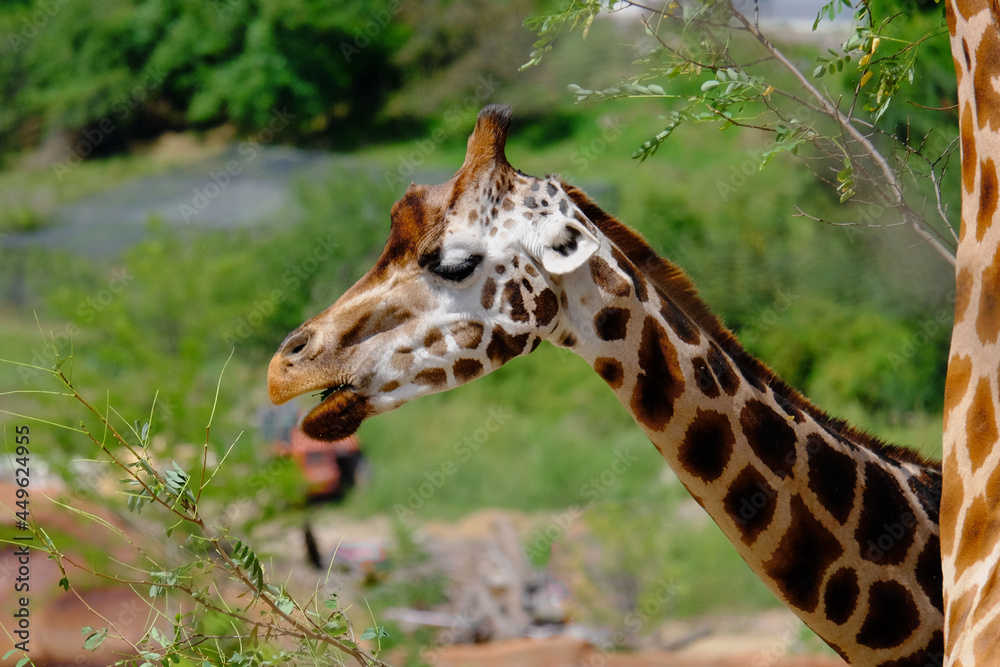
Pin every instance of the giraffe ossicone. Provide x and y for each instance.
(479, 270)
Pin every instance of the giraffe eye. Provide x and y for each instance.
(456, 272)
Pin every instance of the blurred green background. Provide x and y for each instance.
(109, 105)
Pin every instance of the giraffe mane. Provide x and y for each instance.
(671, 281)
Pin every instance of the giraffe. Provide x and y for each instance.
(970, 522)
(481, 269)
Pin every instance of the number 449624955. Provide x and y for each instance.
(22, 470)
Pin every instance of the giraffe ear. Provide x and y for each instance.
(563, 245)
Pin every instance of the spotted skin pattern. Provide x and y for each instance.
(970, 519)
(481, 269)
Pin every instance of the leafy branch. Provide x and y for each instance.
(271, 614)
(747, 86)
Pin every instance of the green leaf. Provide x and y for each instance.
(285, 605)
(23, 661)
(64, 583)
(709, 85)
(161, 638)
(374, 633)
(95, 640)
(9, 653)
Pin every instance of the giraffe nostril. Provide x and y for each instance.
(297, 343)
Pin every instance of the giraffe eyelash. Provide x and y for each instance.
(451, 272)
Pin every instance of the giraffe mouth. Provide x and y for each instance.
(338, 415)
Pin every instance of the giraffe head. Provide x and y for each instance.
(470, 278)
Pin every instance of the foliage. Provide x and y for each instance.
(267, 627)
(125, 69)
(745, 80)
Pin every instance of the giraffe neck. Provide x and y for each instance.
(841, 528)
(969, 537)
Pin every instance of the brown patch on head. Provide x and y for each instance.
(770, 437)
(514, 300)
(432, 377)
(987, 197)
(356, 332)
(436, 343)
(504, 346)
(750, 503)
(546, 307)
(417, 224)
(802, 557)
(610, 370)
(489, 293)
(660, 381)
(467, 369)
(707, 445)
(402, 359)
(988, 315)
(609, 280)
(468, 335)
(612, 323)
(392, 385)
(832, 477)
(980, 424)
(987, 96)
(840, 598)
(892, 616)
(969, 161)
